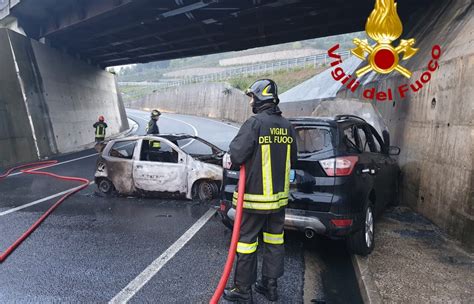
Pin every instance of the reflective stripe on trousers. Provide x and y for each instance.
(246, 248)
(274, 239)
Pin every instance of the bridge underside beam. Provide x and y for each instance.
(114, 32)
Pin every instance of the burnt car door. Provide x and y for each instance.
(119, 164)
(160, 167)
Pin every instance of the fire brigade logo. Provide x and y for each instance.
(384, 26)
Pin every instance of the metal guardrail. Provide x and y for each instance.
(254, 69)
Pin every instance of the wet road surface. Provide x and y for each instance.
(92, 247)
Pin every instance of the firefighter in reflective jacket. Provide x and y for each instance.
(100, 127)
(152, 127)
(266, 145)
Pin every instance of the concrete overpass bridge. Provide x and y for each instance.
(53, 85)
(116, 32)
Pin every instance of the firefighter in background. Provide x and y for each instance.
(266, 144)
(152, 127)
(100, 127)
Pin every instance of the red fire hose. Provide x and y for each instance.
(33, 169)
(235, 238)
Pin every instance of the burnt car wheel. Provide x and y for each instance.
(105, 186)
(207, 190)
(363, 241)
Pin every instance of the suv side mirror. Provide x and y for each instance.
(393, 150)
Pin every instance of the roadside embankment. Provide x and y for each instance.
(214, 100)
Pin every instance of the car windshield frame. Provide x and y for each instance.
(215, 150)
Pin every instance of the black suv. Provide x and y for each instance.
(344, 177)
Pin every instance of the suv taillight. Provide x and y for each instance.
(339, 166)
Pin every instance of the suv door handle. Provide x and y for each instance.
(139, 167)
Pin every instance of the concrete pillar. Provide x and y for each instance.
(55, 97)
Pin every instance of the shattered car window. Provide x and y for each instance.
(313, 140)
(351, 140)
(364, 142)
(377, 144)
(123, 149)
(195, 147)
(158, 151)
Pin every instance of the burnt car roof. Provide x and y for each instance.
(325, 121)
(170, 137)
(174, 137)
(302, 121)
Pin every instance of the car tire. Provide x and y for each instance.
(106, 186)
(362, 242)
(207, 190)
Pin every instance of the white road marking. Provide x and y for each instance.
(146, 275)
(39, 201)
(186, 123)
(193, 127)
(58, 164)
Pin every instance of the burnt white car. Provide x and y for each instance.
(176, 165)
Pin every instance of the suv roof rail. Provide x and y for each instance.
(346, 116)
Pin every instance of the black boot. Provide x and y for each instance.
(239, 294)
(268, 287)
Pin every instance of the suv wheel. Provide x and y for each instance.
(363, 241)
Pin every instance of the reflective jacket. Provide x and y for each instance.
(266, 144)
(152, 127)
(100, 129)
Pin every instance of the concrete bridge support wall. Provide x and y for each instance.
(215, 100)
(51, 100)
(16, 138)
(435, 127)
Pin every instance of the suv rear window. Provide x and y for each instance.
(313, 139)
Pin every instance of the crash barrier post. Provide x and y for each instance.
(33, 169)
(235, 238)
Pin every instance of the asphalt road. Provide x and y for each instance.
(94, 249)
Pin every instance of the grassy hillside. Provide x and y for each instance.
(284, 79)
(153, 71)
